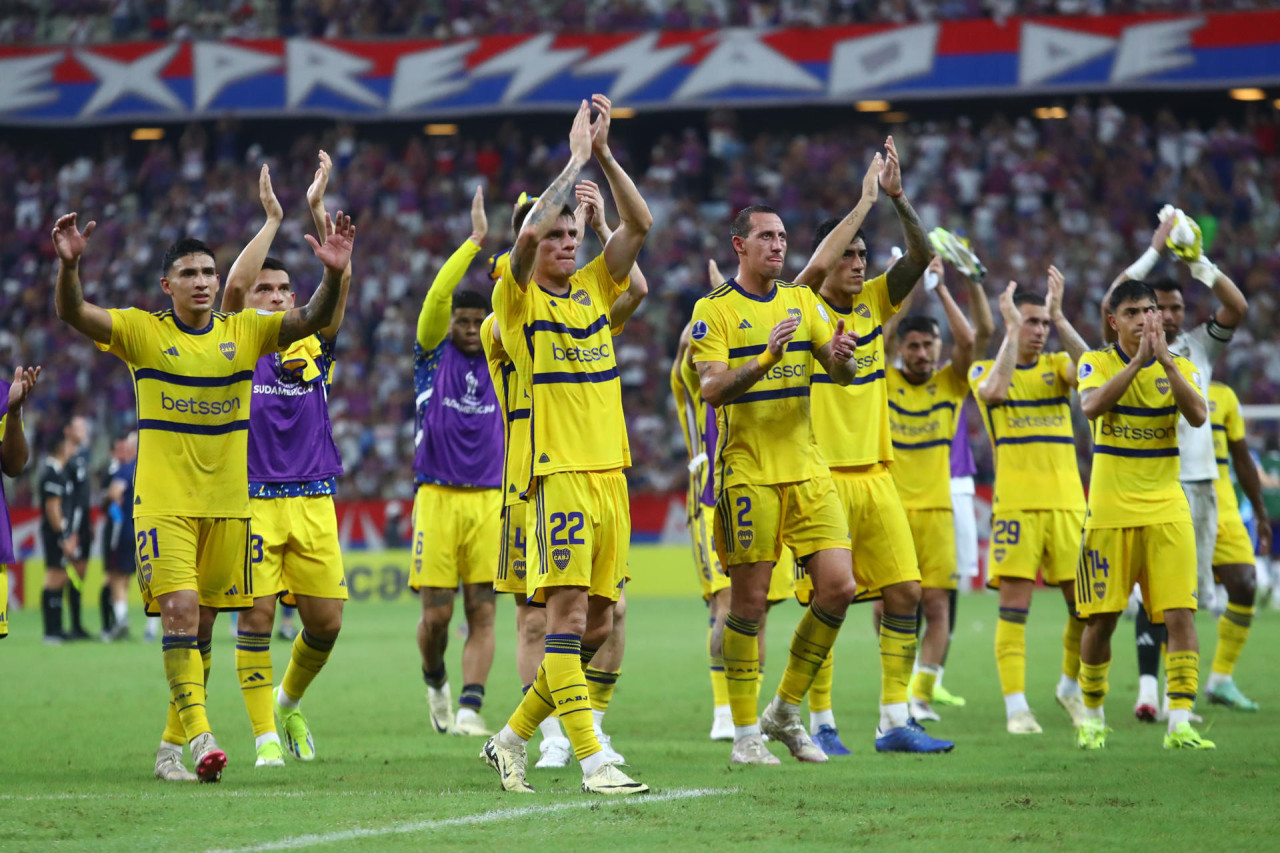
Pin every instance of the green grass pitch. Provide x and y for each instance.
(81, 723)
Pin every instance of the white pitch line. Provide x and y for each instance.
(186, 793)
(312, 840)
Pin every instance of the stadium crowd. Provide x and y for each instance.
(1080, 193)
(96, 21)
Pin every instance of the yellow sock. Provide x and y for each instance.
(305, 662)
(820, 692)
(1093, 683)
(1233, 633)
(186, 686)
(600, 684)
(1011, 650)
(923, 683)
(719, 687)
(897, 655)
(253, 668)
(568, 684)
(206, 659)
(1071, 634)
(535, 707)
(742, 669)
(810, 645)
(1182, 674)
(173, 732)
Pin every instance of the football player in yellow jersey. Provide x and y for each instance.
(193, 370)
(14, 454)
(1038, 511)
(753, 341)
(1138, 528)
(924, 410)
(859, 450)
(554, 322)
(1233, 562)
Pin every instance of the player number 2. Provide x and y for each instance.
(143, 556)
(574, 521)
(744, 507)
(1006, 532)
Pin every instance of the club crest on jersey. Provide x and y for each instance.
(698, 331)
(1048, 378)
(862, 310)
(1162, 385)
(560, 556)
(1100, 589)
(997, 554)
(932, 389)
(794, 312)
(146, 573)
(518, 567)
(1213, 405)
(1085, 371)
(228, 349)
(745, 538)
(581, 297)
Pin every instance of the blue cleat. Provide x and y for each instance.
(828, 738)
(910, 738)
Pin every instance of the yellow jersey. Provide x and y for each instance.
(1228, 426)
(563, 347)
(1031, 436)
(1135, 445)
(193, 388)
(514, 400)
(765, 435)
(923, 420)
(851, 422)
(698, 426)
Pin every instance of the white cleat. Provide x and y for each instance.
(1023, 723)
(169, 767)
(922, 710)
(555, 752)
(751, 750)
(611, 755)
(722, 726)
(791, 733)
(468, 722)
(509, 762)
(1073, 704)
(208, 757)
(440, 706)
(608, 779)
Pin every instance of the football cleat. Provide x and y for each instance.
(1229, 695)
(611, 755)
(440, 707)
(270, 754)
(751, 750)
(1091, 733)
(922, 710)
(1146, 711)
(945, 699)
(556, 752)
(209, 759)
(297, 736)
(790, 732)
(910, 738)
(169, 767)
(1073, 704)
(509, 762)
(1185, 737)
(608, 779)
(828, 740)
(468, 722)
(722, 726)
(1023, 723)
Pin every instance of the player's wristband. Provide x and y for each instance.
(1139, 269)
(1204, 270)
(767, 359)
(930, 280)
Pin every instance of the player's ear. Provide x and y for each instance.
(737, 245)
(164, 286)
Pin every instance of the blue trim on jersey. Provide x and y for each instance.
(870, 336)
(756, 349)
(1223, 461)
(1036, 439)
(1126, 359)
(1033, 364)
(193, 429)
(1144, 453)
(518, 415)
(772, 293)
(939, 442)
(776, 394)
(1047, 401)
(309, 489)
(825, 379)
(1222, 427)
(193, 381)
(1145, 411)
(922, 412)
(601, 322)
(567, 376)
(183, 327)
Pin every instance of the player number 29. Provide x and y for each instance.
(1006, 532)
(573, 521)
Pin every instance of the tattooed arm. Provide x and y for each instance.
(903, 275)
(335, 254)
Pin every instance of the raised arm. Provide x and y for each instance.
(906, 272)
(542, 217)
(623, 247)
(244, 272)
(1096, 402)
(433, 319)
(315, 201)
(335, 254)
(1233, 308)
(994, 390)
(1136, 271)
(961, 333)
(1071, 340)
(14, 452)
(85, 317)
(984, 325)
(835, 244)
(590, 210)
(1251, 485)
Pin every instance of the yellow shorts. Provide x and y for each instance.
(294, 548)
(510, 576)
(455, 536)
(934, 534)
(581, 525)
(1233, 547)
(884, 552)
(1160, 558)
(753, 523)
(711, 574)
(1024, 542)
(208, 555)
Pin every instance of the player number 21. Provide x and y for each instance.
(143, 556)
(573, 521)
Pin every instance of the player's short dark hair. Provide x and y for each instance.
(741, 225)
(521, 213)
(470, 299)
(182, 248)
(1165, 285)
(1026, 297)
(270, 263)
(1130, 291)
(829, 225)
(922, 323)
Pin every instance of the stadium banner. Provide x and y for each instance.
(414, 79)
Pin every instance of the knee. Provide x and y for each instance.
(327, 626)
(480, 613)
(902, 597)
(751, 607)
(838, 595)
(533, 626)
(260, 618)
(595, 636)
(1102, 625)
(1244, 590)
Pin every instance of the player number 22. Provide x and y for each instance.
(574, 521)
